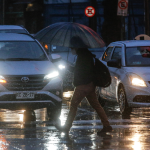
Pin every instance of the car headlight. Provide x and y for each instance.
(51, 75)
(61, 67)
(2, 79)
(136, 80)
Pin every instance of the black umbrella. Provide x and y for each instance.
(70, 34)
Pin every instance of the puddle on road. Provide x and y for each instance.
(130, 132)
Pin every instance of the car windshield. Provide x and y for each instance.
(138, 56)
(13, 31)
(21, 50)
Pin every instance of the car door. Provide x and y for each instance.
(106, 56)
(115, 73)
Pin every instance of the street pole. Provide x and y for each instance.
(3, 12)
(93, 20)
(146, 5)
(70, 12)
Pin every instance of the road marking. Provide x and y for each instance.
(82, 121)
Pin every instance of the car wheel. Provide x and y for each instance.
(97, 91)
(29, 115)
(53, 114)
(123, 104)
(61, 95)
(100, 99)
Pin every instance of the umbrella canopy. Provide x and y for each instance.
(70, 34)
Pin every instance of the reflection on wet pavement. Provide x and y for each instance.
(130, 132)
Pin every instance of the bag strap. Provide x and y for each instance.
(94, 60)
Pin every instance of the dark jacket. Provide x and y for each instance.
(83, 70)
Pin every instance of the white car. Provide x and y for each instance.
(28, 78)
(13, 29)
(129, 66)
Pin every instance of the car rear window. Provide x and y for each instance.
(13, 31)
(138, 56)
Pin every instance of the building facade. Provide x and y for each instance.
(37, 14)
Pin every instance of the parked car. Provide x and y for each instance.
(129, 66)
(13, 29)
(28, 78)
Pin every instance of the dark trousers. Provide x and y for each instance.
(87, 91)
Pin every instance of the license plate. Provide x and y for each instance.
(27, 95)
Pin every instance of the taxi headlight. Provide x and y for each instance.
(51, 75)
(136, 80)
(61, 67)
(2, 79)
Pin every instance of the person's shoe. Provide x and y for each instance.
(104, 130)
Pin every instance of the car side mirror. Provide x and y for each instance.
(114, 63)
(55, 57)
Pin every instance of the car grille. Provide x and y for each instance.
(14, 83)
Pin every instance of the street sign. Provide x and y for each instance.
(122, 8)
(89, 11)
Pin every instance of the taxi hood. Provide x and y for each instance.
(143, 72)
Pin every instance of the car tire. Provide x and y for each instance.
(29, 115)
(53, 114)
(100, 99)
(123, 104)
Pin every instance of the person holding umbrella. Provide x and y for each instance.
(79, 38)
(84, 86)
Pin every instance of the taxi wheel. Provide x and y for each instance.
(123, 104)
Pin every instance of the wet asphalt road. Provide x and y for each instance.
(129, 132)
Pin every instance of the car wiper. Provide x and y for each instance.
(23, 59)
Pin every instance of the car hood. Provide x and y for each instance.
(25, 67)
(143, 72)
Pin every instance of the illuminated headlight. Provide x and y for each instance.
(2, 79)
(51, 75)
(61, 67)
(136, 80)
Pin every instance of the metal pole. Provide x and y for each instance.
(146, 3)
(93, 20)
(3, 12)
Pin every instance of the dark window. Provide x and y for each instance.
(107, 54)
(116, 53)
